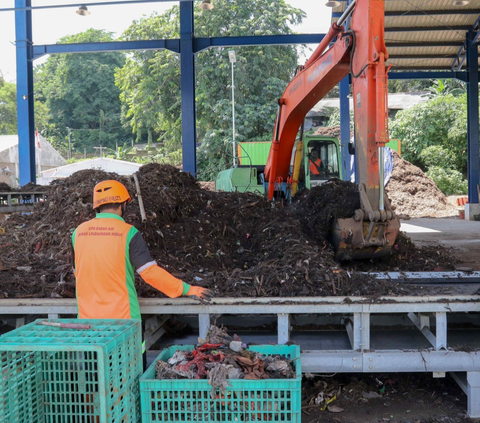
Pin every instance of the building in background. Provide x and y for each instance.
(46, 157)
(320, 114)
(107, 165)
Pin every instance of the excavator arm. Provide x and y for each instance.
(361, 51)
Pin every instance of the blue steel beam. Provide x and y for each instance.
(98, 3)
(460, 58)
(187, 63)
(345, 127)
(41, 50)
(174, 44)
(258, 40)
(462, 76)
(25, 112)
(473, 152)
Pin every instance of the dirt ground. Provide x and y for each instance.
(457, 235)
(383, 398)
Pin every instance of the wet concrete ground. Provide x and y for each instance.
(462, 236)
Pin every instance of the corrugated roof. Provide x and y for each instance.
(397, 101)
(422, 34)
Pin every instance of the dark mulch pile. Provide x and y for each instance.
(241, 245)
(4, 187)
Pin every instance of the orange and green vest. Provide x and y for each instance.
(107, 253)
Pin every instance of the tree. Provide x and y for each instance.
(150, 81)
(8, 108)
(447, 87)
(434, 137)
(80, 93)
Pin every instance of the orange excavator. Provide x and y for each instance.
(360, 51)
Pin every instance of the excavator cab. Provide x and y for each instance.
(321, 161)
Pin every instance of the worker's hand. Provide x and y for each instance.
(199, 293)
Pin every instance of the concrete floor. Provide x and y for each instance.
(462, 236)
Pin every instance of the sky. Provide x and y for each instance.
(51, 24)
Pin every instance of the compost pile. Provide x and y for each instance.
(414, 194)
(219, 358)
(411, 192)
(4, 187)
(238, 244)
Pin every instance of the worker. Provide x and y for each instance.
(106, 253)
(315, 162)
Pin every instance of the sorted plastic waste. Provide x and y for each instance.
(213, 359)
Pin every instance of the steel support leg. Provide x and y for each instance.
(19, 322)
(473, 151)
(473, 393)
(441, 330)
(203, 325)
(361, 331)
(187, 63)
(154, 329)
(25, 112)
(347, 169)
(283, 328)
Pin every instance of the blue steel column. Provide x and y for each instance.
(473, 118)
(25, 112)
(187, 60)
(345, 128)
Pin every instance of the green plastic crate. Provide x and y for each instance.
(50, 374)
(273, 400)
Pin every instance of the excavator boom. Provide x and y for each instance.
(360, 51)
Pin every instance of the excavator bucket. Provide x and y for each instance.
(355, 238)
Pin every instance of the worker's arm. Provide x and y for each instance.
(72, 250)
(157, 277)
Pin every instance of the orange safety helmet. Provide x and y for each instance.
(109, 192)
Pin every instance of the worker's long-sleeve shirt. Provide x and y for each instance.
(107, 253)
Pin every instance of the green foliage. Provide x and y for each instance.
(217, 145)
(150, 81)
(8, 108)
(447, 87)
(408, 85)
(334, 119)
(449, 181)
(439, 121)
(121, 153)
(434, 137)
(79, 92)
(163, 156)
(437, 155)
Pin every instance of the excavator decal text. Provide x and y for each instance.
(320, 68)
(295, 86)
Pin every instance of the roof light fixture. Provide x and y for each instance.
(206, 5)
(82, 11)
(332, 3)
(461, 2)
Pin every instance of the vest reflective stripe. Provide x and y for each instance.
(104, 275)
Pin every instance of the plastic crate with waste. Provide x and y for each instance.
(174, 400)
(52, 374)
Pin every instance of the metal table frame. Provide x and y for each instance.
(438, 359)
(11, 202)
